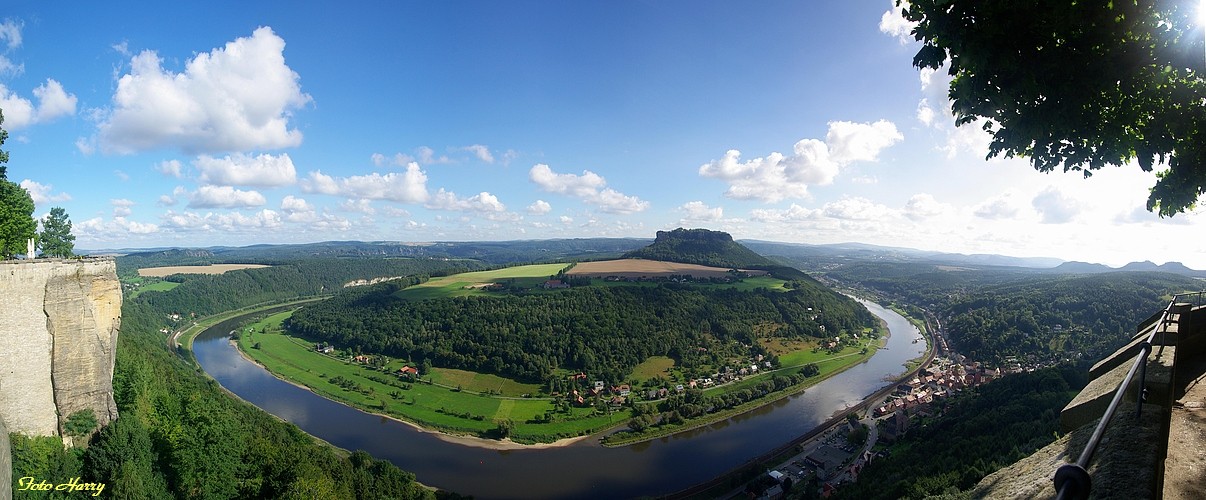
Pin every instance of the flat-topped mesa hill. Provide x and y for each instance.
(703, 247)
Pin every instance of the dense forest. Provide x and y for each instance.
(981, 431)
(605, 331)
(180, 436)
(206, 294)
(992, 315)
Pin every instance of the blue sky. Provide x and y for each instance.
(235, 123)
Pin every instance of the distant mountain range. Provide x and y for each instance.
(684, 245)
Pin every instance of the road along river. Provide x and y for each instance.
(580, 470)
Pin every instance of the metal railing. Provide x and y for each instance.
(1072, 481)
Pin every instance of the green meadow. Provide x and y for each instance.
(460, 285)
(152, 286)
(448, 400)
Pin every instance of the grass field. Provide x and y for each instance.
(432, 405)
(481, 382)
(459, 285)
(158, 286)
(160, 272)
(652, 367)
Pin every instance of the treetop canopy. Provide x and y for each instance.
(1078, 85)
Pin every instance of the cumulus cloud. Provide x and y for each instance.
(794, 213)
(857, 208)
(404, 187)
(41, 193)
(698, 211)
(10, 34)
(121, 207)
(98, 228)
(362, 206)
(893, 23)
(1003, 206)
(925, 114)
(482, 202)
(225, 197)
(589, 187)
(812, 163)
(234, 98)
(540, 207)
(481, 152)
(20, 112)
(242, 170)
(226, 222)
(924, 206)
(170, 168)
(1054, 207)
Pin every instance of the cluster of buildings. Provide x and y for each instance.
(916, 394)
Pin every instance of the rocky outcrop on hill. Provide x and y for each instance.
(58, 339)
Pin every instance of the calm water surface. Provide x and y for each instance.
(582, 470)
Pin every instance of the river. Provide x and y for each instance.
(581, 470)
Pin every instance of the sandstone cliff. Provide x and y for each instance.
(58, 338)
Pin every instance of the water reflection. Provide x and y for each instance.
(581, 470)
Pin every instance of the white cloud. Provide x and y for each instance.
(225, 197)
(893, 23)
(850, 142)
(482, 202)
(566, 219)
(406, 187)
(481, 152)
(233, 222)
(10, 34)
(41, 192)
(865, 179)
(1003, 206)
(85, 146)
(813, 163)
(242, 170)
(170, 168)
(121, 207)
(540, 207)
(294, 204)
(925, 114)
(427, 156)
(98, 229)
(363, 206)
(234, 98)
(698, 211)
(923, 206)
(53, 102)
(589, 187)
(1054, 207)
(857, 208)
(794, 213)
(395, 212)
(166, 201)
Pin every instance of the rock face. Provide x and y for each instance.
(6, 463)
(58, 340)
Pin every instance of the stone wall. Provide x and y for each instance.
(58, 339)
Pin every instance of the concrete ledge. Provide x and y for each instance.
(1126, 354)
(1094, 399)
